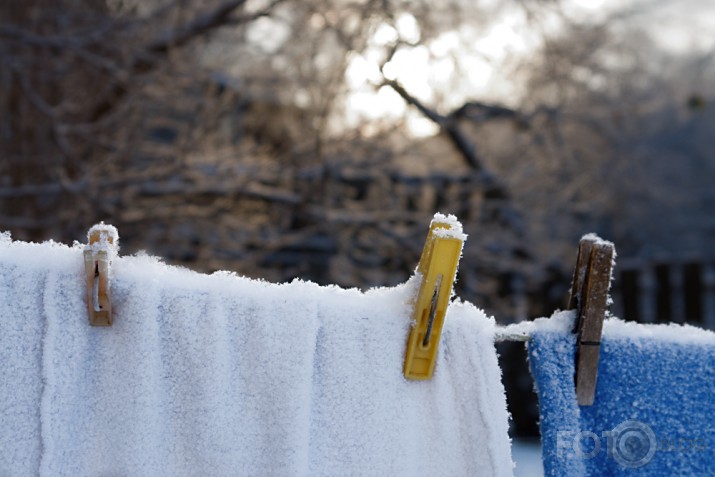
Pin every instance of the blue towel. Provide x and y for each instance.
(654, 409)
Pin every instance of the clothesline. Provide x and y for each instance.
(504, 334)
(523, 331)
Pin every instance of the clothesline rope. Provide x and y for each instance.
(504, 334)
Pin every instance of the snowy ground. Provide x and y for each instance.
(527, 456)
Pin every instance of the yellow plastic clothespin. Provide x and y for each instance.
(101, 248)
(438, 268)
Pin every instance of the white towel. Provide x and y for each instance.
(21, 333)
(222, 375)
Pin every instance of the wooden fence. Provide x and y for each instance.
(661, 292)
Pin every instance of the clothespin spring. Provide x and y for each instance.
(433, 310)
(95, 289)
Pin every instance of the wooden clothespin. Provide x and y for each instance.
(589, 296)
(98, 253)
(438, 268)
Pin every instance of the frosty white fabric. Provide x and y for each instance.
(222, 375)
(21, 331)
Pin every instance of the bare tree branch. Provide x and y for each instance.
(196, 28)
(146, 59)
(448, 125)
(253, 190)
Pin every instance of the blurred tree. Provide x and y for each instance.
(223, 134)
(79, 83)
(206, 132)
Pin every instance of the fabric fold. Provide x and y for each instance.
(23, 273)
(367, 417)
(198, 375)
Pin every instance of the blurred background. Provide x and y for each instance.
(316, 139)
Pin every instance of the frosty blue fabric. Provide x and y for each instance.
(654, 410)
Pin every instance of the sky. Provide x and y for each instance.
(443, 64)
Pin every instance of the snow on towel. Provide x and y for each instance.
(222, 375)
(653, 410)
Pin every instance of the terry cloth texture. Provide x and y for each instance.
(221, 375)
(653, 410)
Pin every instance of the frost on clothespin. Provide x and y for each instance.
(448, 227)
(102, 246)
(102, 236)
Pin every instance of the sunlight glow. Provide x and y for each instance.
(361, 71)
(385, 100)
(468, 62)
(464, 62)
(411, 68)
(408, 28)
(267, 34)
(501, 40)
(384, 35)
(588, 4)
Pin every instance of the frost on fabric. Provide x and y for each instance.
(562, 322)
(225, 281)
(667, 333)
(460, 310)
(29, 255)
(56, 256)
(616, 328)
